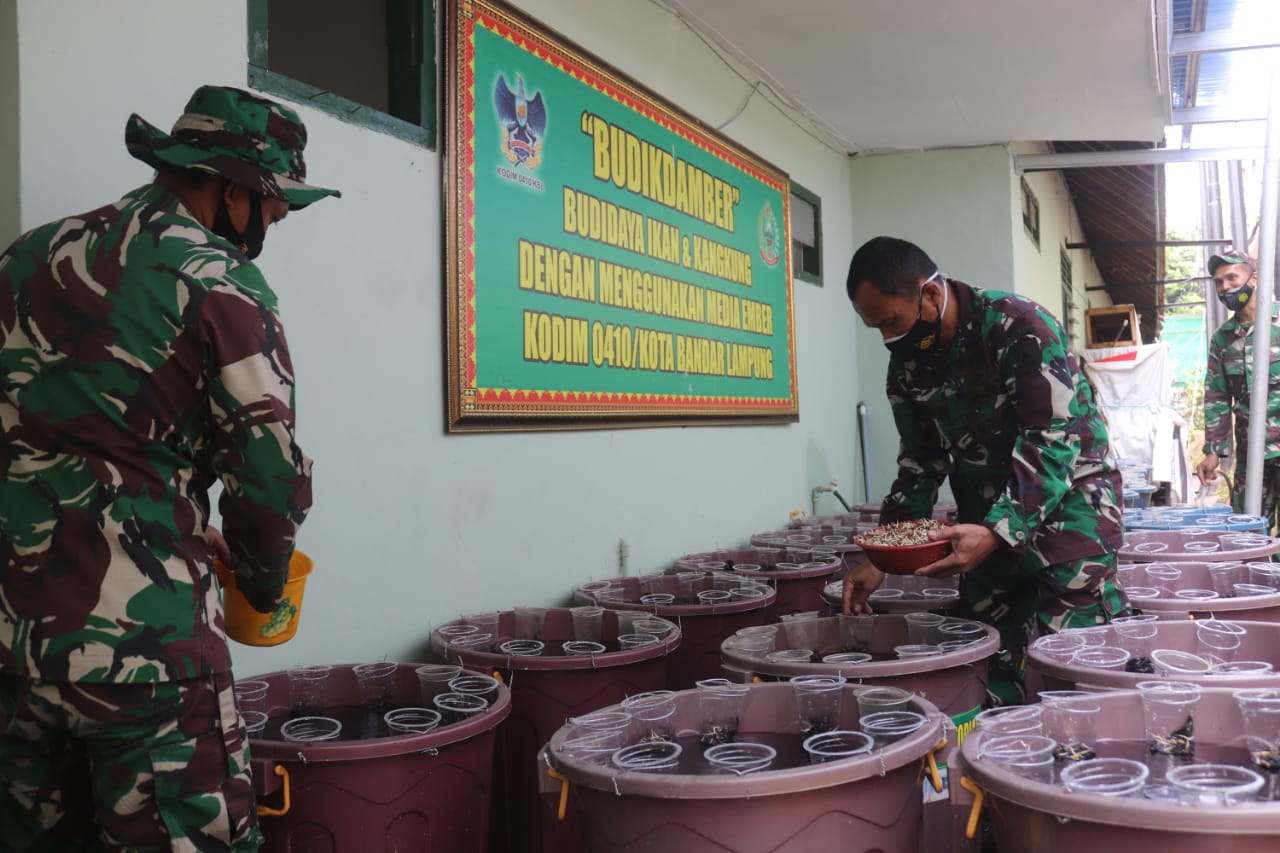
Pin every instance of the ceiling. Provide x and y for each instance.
(908, 74)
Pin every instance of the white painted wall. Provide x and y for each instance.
(412, 526)
(1037, 269)
(10, 212)
(954, 204)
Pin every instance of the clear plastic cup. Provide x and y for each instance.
(757, 646)
(478, 642)
(886, 727)
(375, 682)
(1260, 713)
(311, 729)
(576, 648)
(658, 599)
(748, 593)
(251, 695)
(652, 713)
(659, 628)
(647, 756)
(1073, 724)
(627, 620)
(455, 630)
(917, 650)
(636, 641)
(1106, 777)
(801, 629)
(720, 704)
(1135, 634)
(1101, 657)
(940, 594)
(434, 678)
(1011, 720)
(528, 622)
(1030, 756)
(836, 745)
(1174, 662)
(1219, 639)
(1196, 595)
(457, 707)
(1164, 578)
(484, 686)
(922, 628)
(485, 623)
(1224, 577)
(1168, 709)
(790, 656)
(522, 648)
(740, 758)
(411, 721)
(873, 700)
(1241, 667)
(1214, 784)
(818, 702)
(1264, 574)
(307, 687)
(714, 596)
(1242, 590)
(855, 632)
(962, 629)
(593, 746)
(1142, 593)
(255, 723)
(886, 593)
(847, 657)
(1059, 647)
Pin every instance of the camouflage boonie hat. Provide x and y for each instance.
(1231, 256)
(246, 139)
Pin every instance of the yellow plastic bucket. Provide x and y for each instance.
(248, 626)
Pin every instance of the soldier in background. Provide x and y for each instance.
(141, 359)
(1227, 384)
(985, 392)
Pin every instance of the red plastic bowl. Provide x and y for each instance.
(904, 559)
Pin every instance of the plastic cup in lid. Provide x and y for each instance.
(837, 744)
(311, 729)
(647, 756)
(1106, 777)
(740, 758)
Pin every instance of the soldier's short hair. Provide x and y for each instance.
(894, 267)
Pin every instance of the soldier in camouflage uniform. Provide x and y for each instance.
(985, 392)
(141, 359)
(1229, 380)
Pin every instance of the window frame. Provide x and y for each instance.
(796, 270)
(262, 78)
(1030, 213)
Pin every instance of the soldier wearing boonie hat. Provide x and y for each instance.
(1227, 384)
(144, 358)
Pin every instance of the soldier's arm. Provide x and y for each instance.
(1043, 397)
(922, 464)
(1217, 403)
(265, 475)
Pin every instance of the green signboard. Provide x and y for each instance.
(609, 260)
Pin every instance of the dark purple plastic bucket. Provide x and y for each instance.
(424, 792)
(864, 803)
(798, 582)
(1260, 605)
(1030, 816)
(1192, 544)
(545, 691)
(702, 626)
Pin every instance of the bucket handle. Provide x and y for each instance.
(563, 808)
(930, 766)
(287, 803)
(971, 828)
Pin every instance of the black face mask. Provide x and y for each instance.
(250, 240)
(1238, 298)
(924, 336)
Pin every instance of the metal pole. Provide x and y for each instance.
(866, 459)
(1266, 289)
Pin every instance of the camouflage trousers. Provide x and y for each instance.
(124, 767)
(1023, 604)
(1270, 490)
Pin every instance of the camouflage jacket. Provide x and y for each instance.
(141, 358)
(1227, 383)
(1005, 412)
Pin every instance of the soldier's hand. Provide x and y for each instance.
(970, 545)
(859, 583)
(1207, 470)
(218, 545)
